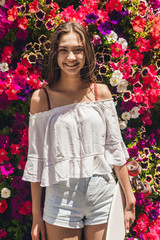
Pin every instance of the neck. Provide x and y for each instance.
(70, 84)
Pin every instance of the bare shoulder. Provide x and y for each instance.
(38, 101)
(103, 91)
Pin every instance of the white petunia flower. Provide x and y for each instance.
(2, 2)
(122, 86)
(4, 67)
(5, 193)
(112, 36)
(134, 112)
(126, 116)
(123, 124)
(123, 42)
(116, 78)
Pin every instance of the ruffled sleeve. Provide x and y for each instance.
(34, 165)
(115, 150)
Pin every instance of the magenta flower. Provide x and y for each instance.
(17, 182)
(130, 133)
(19, 81)
(22, 34)
(139, 198)
(4, 141)
(16, 202)
(7, 169)
(96, 40)
(127, 106)
(133, 152)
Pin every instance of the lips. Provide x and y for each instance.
(71, 65)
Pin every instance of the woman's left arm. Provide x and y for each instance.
(122, 175)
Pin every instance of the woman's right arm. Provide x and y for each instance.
(38, 227)
(37, 104)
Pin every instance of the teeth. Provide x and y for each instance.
(71, 65)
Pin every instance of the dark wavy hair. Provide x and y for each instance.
(87, 72)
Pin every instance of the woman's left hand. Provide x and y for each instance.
(129, 216)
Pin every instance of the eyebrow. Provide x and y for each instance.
(76, 46)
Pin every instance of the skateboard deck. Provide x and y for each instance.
(116, 227)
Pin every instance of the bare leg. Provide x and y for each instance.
(95, 232)
(61, 233)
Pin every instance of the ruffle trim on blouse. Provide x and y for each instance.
(116, 155)
(47, 175)
(64, 107)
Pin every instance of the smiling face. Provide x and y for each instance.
(71, 56)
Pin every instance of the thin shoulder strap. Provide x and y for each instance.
(49, 105)
(95, 91)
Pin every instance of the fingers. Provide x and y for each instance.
(36, 234)
(43, 234)
(129, 219)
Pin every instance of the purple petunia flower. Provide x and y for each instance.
(104, 28)
(153, 214)
(91, 18)
(141, 236)
(116, 17)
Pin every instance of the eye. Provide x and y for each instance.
(62, 50)
(78, 50)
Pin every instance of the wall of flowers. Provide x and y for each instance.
(126, 36)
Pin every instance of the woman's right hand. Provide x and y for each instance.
(38, 228)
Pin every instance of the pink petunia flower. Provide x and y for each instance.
(117, 50)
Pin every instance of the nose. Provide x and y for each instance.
(71, 56)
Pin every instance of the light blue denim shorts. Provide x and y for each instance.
(78, 202)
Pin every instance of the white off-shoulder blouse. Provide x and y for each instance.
(74, 141)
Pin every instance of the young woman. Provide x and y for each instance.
(74, 145)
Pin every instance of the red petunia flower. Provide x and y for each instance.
(12, 14)
(134, 57)
(21, 70)
(55, 6)
(33, 6)
(15, 149)
(26, 208)
(3, 233)
(142, 8)
(23, 23)
(114, 5)
(144, 45)
(117, 50)
(138, 24)
(3, 206)
(138, 95)
(12, 93)
(24, 139)
(7, 54)
(3, 156)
